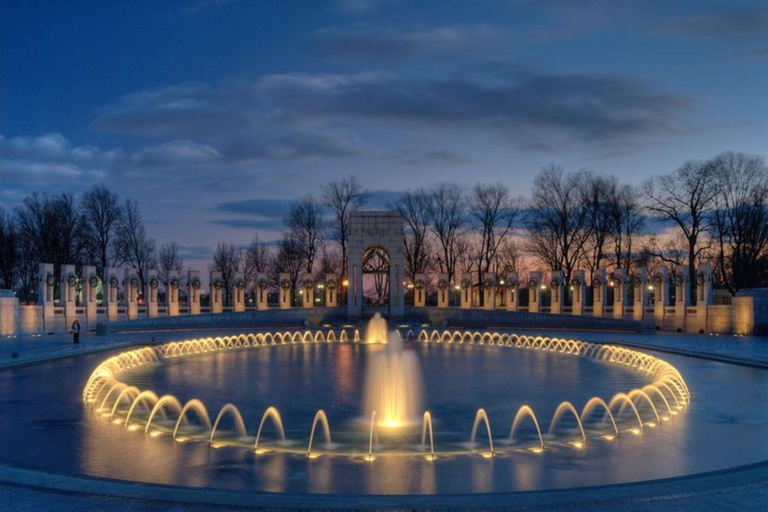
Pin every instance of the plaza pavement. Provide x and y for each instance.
(740, 489)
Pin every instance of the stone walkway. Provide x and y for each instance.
(729, 491)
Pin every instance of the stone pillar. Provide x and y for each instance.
(510, 287)
(599, 292)
(489, 291)
(619, 280)
(193, 291)
(331, 291)
(466, 291)
(68, 293)
(308, 291)
(640, 285)
(443, 291)
(660, 295)
(419, 290)
(578, 286)
(534, 292)
(9, 313)
(285, 291)
(90, 288)
(216, 288)
(112, 282)
(131, 292)
(238, 293)
(46, 287)
(682, 296)
(703, 294)
(262, 292)
(556, 287)
(172, 292)
(153, 290)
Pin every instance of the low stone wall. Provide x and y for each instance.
(297, 317)
(479, 318)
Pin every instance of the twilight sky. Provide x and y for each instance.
(214, 114)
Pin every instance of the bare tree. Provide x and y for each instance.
(686, 198)
(227, 260)
(630, 221)
(287, 259)
(558, 221)
(168, 260)
(134, 243)
(101, 213)
(255, 258)
(343, 198)
(305, 227)
(447, 218)
(601, 198)
(9, 251)
(413, 207)
(740, 220)
(493, 214)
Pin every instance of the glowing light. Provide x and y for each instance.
(345, 282)
(133, 427)
(487, 455)
(635, 431)
(430, 457)
(260, 451)
(370, 458)
(578, 444)
(313, 455)
(117, 421)
(609, 437)
(536, 449)
(155, 433)
(651, 424)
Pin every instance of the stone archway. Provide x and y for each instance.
(376, 248)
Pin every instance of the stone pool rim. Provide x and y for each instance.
(638, 492)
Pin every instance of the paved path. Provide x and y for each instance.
(747, 490)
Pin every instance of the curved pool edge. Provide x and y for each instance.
(701, 484)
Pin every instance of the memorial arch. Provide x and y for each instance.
(375, 249)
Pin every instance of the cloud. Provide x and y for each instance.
(252, 224)
(381, 43)
(440, 157)
(734, 22)
(178, 152)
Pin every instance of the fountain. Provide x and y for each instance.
(376, 330)
(393, 380)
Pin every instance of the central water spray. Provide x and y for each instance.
(393, 379)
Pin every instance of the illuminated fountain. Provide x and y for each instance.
(392, 380)
(392, 399)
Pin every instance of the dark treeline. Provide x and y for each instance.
(97, 229)
(713, 211)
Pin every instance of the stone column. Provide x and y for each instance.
(285, 291)
(193, 291)
(331, 291)
(682, 296)
(640, 285)
(238, 293)
(112, 282)
(90, 288)
(443, 291)
(153, 290)
(308, 291)
(703, 294)
(46, 287)
(419, 290)
(534, 292)
(9, 313)
(262, 292)
(599, 291)
(660, 295)
(619, 280)
(556, 287)
(489, 291)
(131, 291)
(68, 293)
(510, 287)
(216, 288)
(466, 291)
(578, 286)
(172, 293)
